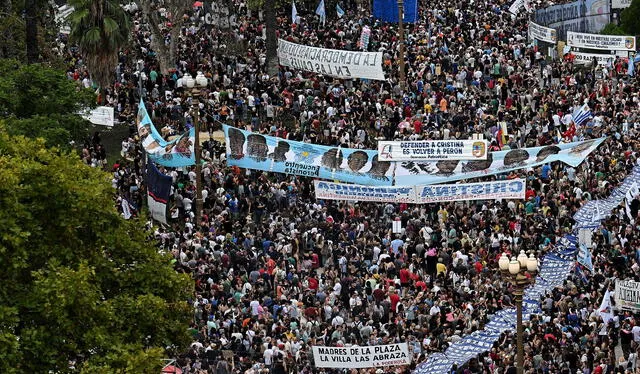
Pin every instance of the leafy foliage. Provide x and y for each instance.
(80, 284)
(630, 18)
(613, 29)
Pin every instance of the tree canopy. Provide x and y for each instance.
(82, 287)
(39, 101)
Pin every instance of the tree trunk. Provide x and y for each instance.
(31, 39)
(272, 42)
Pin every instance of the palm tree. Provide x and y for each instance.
(100, 28)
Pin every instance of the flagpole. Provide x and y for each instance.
(401, 27)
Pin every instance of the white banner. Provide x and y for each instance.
(627, 295)
(432, 150)
(597, 41)
(542, 33)
(332, 62)
(516, 7)
(620, 4)
(361, 357)
(102, 115)
(587, 58)
(509, 189)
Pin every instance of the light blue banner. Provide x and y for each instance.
(432, 172)
(178, 152)
(262, 152)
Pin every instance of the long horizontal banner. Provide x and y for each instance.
(262, 152)
(409, 173)
(361, 357)
(588, 58)
(332, 62)
(598, 41)
(509, 189)
(542, 33)
(175, 153)
(627, 295)
(432, 150)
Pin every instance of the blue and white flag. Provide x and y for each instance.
(339, 11)
(582, 115)
(294, 13)
(584, 257)
(321, 12)
(631, 69)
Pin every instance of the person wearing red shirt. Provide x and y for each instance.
(405, 278)
(394, 298)
(313, 283)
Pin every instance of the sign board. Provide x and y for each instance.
(542, 33)
(102, 115)
(627, 295)
(432, 150)
(587, 58)
(508, 189)
(598, 41)
(620, 4)
(361, 357)
(332, 62)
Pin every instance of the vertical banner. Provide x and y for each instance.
(158, 191)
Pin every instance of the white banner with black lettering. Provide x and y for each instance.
(598, 41)
(627, 295)
(332, 62)
(509, 189)
(516, 7)
(587, 58)
(620, 4)
(432, 150)
(542, 33)
(361, 357)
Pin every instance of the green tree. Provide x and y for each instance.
(79, 283)
(100, 28)
(38, 101)
(630, 18)
(612, 29)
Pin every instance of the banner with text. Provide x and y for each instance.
(588, 58)
(620, 4)
(510, 189)
(332, 62)
(269, 153)
(408, 173)
(542, 33)
(627, 295)
(432, 150)
(361, 357)
(598, 41)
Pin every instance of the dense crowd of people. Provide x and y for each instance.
(277, 271)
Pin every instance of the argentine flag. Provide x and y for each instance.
(321, 12)
(339, 11)
(294, 13)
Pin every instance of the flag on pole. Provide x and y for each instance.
(581, 115)
(339, 11)
(294, 13)
(321, 12)
(584, 257)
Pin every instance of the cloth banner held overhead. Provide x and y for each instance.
(159, 189)
(432, 172)
(627, 295)
(175, 153)
(511, 189)
(332, 62)
(387, 11)
(539, 32)
(361, 357)
(432, 150)
(269, 153)
(599, 41)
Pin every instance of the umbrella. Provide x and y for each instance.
(197, 4)
(171, 369)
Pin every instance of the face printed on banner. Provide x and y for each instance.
(578, 149)
(183, 146)
(516, 157)
(332, 159)
(236, 143)
(144, 131)
(257, 147)
(546, 152)
(279, 153)
(478, 165)
(446, 167)
(379, 168)
(357, 160)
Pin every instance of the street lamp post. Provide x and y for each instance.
(401, 27)
(195, 85)
(516, 270)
